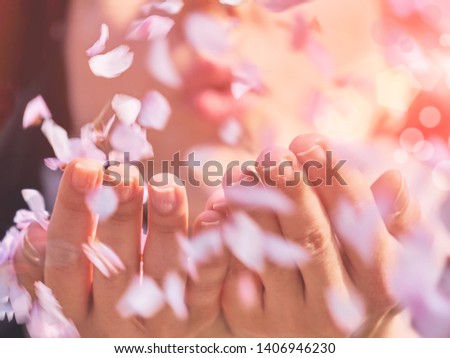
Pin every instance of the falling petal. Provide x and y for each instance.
(112, 64)
(132, 140)
(155, 112)
(230, 132)
(58, 139)
(127, 108)
(153, 27)
(143, 298)
(95, 260)
(99, 46)
(35, 202)
(171, 7)
(246, 78)
(247, 290)
(258, 197)
(104, 258)
(358, 227)
(245, 240)
(174, 288)
(161, 66)
(53, 163)
(206, 35)
(21, 302)
(347, 310)
(47, 319)
(280, 5)
(35, 111)
(284, 253)
(103, 202)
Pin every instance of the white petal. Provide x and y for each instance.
(161, 66)
(112, 64)
(103, 202)
(231, 131)
(35, 111)
(155, 111)
(143, 298)
(206, 34)
(58, 139)
(127, 108)
(174, 288)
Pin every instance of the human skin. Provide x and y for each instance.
(74, 288)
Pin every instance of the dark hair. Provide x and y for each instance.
(33, 64)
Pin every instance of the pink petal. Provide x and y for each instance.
(285, 253)
(35, 111)
(96, 260)
(155, 111)
(280, 5)
(112, 64)
(35, 202)
(347, 310)
(247, 290)
(99, 46)
(127, 108)
(53, 163)
(171, 7)
(358, 227)
(161, 66)
(21, 303)
(320, 57)
(245, 240)
(258, 197)
(174, 288)
(151, 28)
(131, 139)
(143, 298)
(230, 132)
(8, 246)
(206, 35)
(58, 139)
(247, 77)
(231, 2)
(103, 202)
(300, 32)
(47, 319)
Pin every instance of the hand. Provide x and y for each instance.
(89, 298)
(294, 302)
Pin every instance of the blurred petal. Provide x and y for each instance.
(103, 202)
(127, 108)
(35, 111)
(99, 46)
(155, 111)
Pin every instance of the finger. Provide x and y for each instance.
(122, 233)
(30, 258)
(306, 224)
(67, 270)
(204, 293)
(281, 284)
(167, 218)
(399, 211)
(217, 202)
(349, 202)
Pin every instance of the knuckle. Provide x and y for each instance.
(315, 240)
(63, 256)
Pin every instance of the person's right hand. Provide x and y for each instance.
(89, 298)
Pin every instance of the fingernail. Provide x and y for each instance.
(316, 152)
(30, 252)
(84, 176)
(220, 206)
(163, 199)
(208, 224)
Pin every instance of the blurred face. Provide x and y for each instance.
(295, 55)
(291, 65)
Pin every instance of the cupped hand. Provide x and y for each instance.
(348, 267)
(89, 298)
